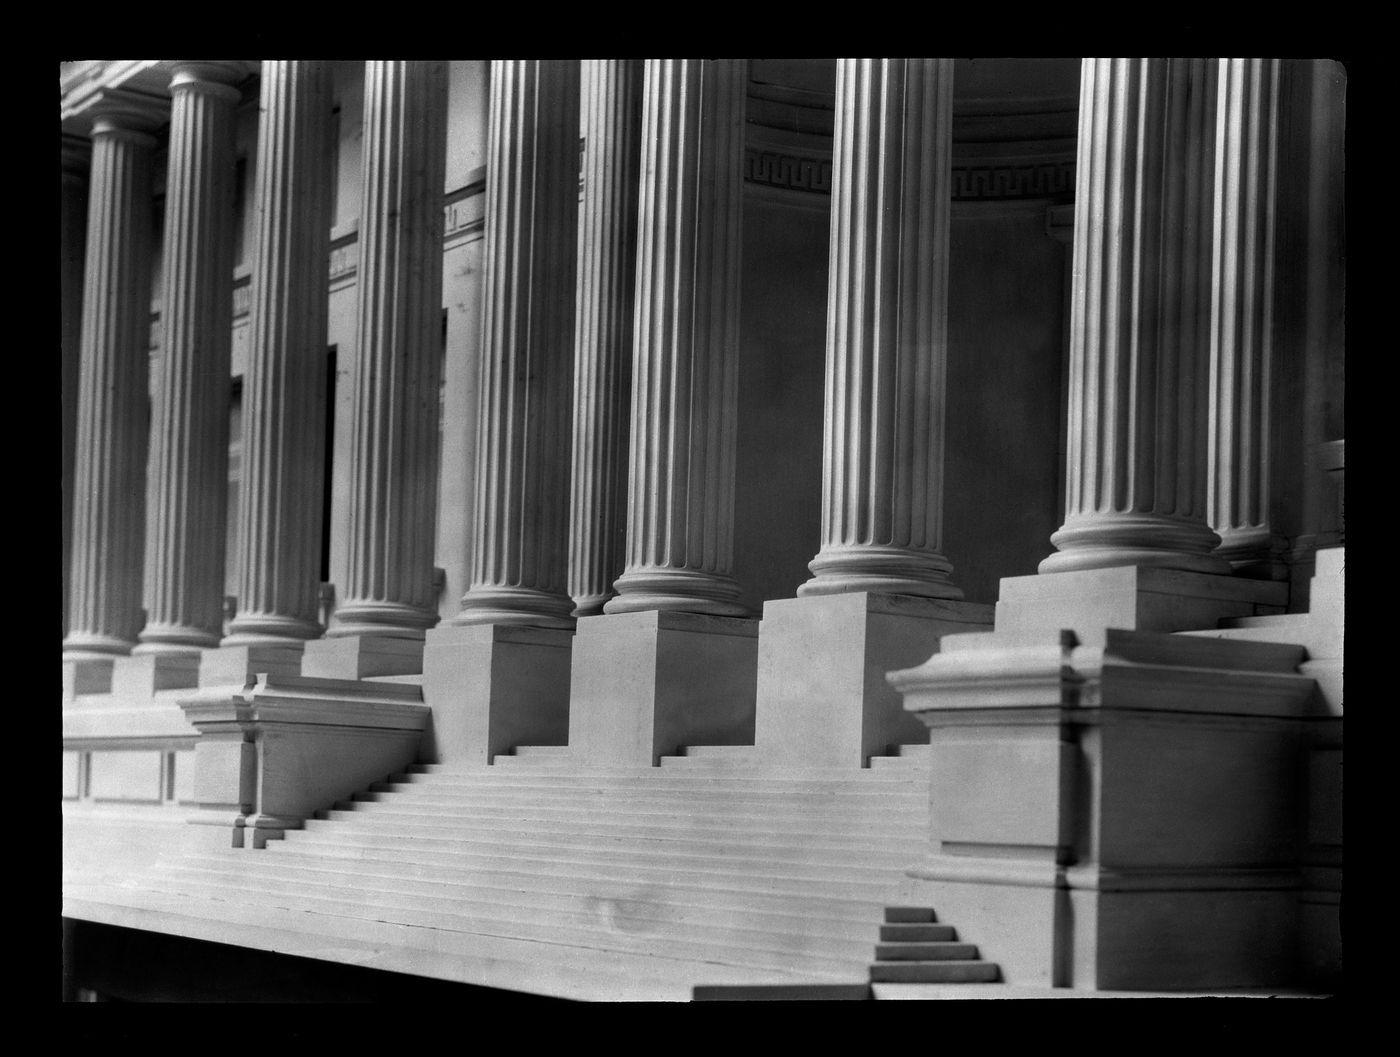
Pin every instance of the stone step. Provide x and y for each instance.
(851, 834)
(632, 779)
(907, 951)
(906, 914)
(778, 843)
(726, 894)
(917, 932)
(814, 802)
(741, 950)
(940, 972)
(876, 886)
(328, 834)
(676, 903)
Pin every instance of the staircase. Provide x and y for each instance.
(915, 949)
(537, 873)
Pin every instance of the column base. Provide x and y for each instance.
(880, 570)
(393, 620)
(1102, 541)
(253, 629)
(142, 676)
(493, 687)
(84, 646)
(361, 656)
(646, 684)
(676, 591)
(239, 665)
(822, 699)
(1135, 598)
(173, 638)
(526, 606)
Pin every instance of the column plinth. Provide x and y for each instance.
(394, 450)
(284, 399)
(109, 458)
(1246, 180)
(1140, 325)
(185, 549)
(607, 265)
(520, 563)
(680, 519)
(887, 322)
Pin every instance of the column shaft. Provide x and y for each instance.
(607, 270)
(1246, 180)
(887, 314)
(76, 154)
(104, 612)
(680, 515)
(284, 387)
(189, 466)
(519, 568)
(1140, 319)
(394, 447)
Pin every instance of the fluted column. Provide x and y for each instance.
(607, 269)
(189, 467)
(520, 564)
(1243, 316)
(887, 322)
(394, 402)
(680, 514)
(1140, 320)
(77, 156)
(104, 612)
(283, 388)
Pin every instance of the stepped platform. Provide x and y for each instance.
(543, 876)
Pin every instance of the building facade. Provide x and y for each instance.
(922, 476)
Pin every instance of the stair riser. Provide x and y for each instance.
(650, 780)
(678, 842)
(933, 973)
(926, 933)
(925, 952)
(847, 838)
(620, 857)
(598, 937)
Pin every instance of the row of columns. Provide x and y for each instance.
(1169, 355)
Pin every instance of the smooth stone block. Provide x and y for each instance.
(646, 684)
(87, 677)
(72, 775)
(495, 686)
(360, 656)
(822, 698)
(1135, 598)
(142, 675)
(132, 776)
(237, 665)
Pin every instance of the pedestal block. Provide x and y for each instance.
(143, 675)
(822, 698)
(1130, 597)
(273, 754)
(360, 656)
(645, 684)
(495, 686)
(1117, 817)
(92, 676)
(238, 665)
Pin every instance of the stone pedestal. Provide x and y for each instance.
(142, 676)
(93, 676)
(360, 656)
(238, 665)
(493, 687)
(822, 698)
(645, 684)
(1129, 597)
(1121, 817)
(273, 754)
